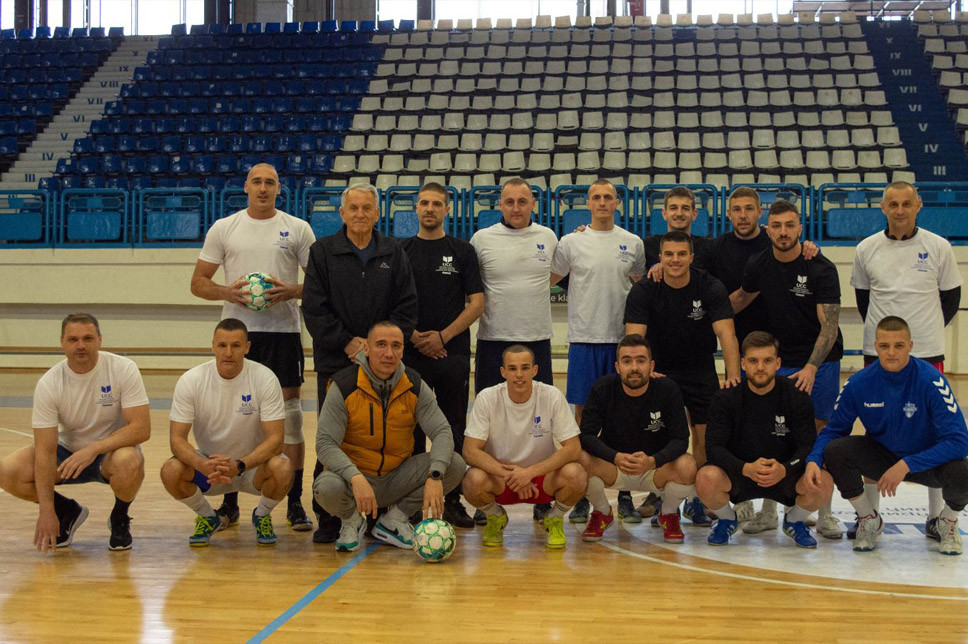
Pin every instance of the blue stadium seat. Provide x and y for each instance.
(227, 165)
(290, 28)
(134, 165)
(192, 144)
(179, 30)
(238, 144)
(348, 25)
(283, 143)
(328, 26)
(157, 165)
(140, 126)
(163, 126)
(206, 125)
(215, 144)
(181, 164)
(254, 27)
(50, 184)
(235, 29)
(117, 183)
(147, 143)
(95, 182)
(97, 32)
(306, 143)
(25, 34)
(83, 145)
(8, 146)
(62, 32)
(171, 144)
(112, 164)
(188, 182)
(229, 124)
(139, 183)
(294, 123)
(203, 164)
(103, 144)
(198, 30)
(184, 125)
(116, 32)
(322, 163)
(330, 143)
(216, 29)
(407, 25)
(367, 26)
(214, 183)
(127, 143)
(385, 26)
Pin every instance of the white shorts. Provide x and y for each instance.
(635, 482)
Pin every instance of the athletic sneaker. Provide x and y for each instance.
(204, 528)
(695, 511)
(868, 530)
(651, 502)
(264, 534)
(931, 529)
(296, 518)
(351, 534)
(597, 525)
(69, 523)
(494, 529)
(228, 516)
(540, 511)
(556, 532)
(456, 515)
(579, 513)
(657, 513)
(626, 509)
(120, 528)
(480, 518)
(721, 531)
(327, 530)
(744, 512)
(852, 530)
(395, 533)
(761, 522)
(829, 526)
(671, 530)
(800, 533)
(950, 537)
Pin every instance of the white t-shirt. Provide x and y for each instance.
(600, 264)
(904, 277)
(516, 271)
(521, 434)
(277, 246)
(227, 415)
(87, 407)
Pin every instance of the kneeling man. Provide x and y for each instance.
(235, 410)
(510, 445)
(757, 441)
(365, 441)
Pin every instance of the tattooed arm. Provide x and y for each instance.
(829, 316)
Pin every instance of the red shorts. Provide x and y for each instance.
(510, 497)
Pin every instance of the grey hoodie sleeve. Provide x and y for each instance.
(434, 424)
(330, 430)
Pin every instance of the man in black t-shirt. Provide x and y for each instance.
(634, 435)
(682, 316)
(758, 439)
(679, 211)
(803, 309)
(450, 297)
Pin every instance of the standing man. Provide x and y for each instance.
(90, 414)
(450, 297)
(914, 431)
(354, 279)
(802, 299)
(234, 409)
(682, 317)
(515, 256)
(911, 273)
(603, 261)
(679, 211)
(261, 238)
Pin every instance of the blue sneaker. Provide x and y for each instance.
(695, 511)
(722, 530)
(264, 534)
(800, 533)
(204, 528)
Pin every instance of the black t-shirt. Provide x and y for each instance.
(744, 426)
(725, 258)
(699, 246)
(679, 321)
(445, 271)
(791, 292)
(654, 423)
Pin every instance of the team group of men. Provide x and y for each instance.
(391, 344)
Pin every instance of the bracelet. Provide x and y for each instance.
(441, 337)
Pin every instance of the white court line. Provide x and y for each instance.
(14, 431)
(779, 582)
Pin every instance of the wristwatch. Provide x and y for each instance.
(240, 464)
(435, 475)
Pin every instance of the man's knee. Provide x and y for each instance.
(572, 476)
(280, 469)
(684, 469)
(126, 463)
(476, 481)
(838, 451)
(710, 479)
(327, 487)
(173, 472)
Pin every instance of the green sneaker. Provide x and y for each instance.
(494, 530)
(264, 534)
(556, 532)
(204, 528)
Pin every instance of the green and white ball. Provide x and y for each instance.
(434, 540)
(258, 284)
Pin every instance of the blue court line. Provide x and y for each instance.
(309, 597)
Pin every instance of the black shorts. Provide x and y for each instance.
(698, 389)
(281, 352)
(746, 489)
(90, 474)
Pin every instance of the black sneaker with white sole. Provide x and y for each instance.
(70, 522)
(228, 514)
(120, 527)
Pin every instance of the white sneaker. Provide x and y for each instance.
(394, 528)
(744, 511)
(829, 526)
(950, 537)
(868, 530)
(761, 522)
(351, 532)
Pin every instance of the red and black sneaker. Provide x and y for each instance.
(597, 524)
(671, 531)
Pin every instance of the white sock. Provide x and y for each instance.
(797, 513)
(870, 491)
(558, 509)
(596, 495)
(935, 502)
(726, 512)
(492, 509)
(199, 504)
(768, 507)
(824, 511)
(395, 515)
(948, 514)
(293, 422)
(863, 506)
(265, 506)
(673, 494)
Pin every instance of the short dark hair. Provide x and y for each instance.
(633, 340)
(680, 191)
(676, 236)
(80, 318)
(233, 324)
(893, 323)
(759, 340)
(433, 186)
(383, 324)
(517, 348)
(744, 192)
(603, 182)
(781, 206)
(901, 185)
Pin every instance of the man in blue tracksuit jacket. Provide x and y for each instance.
(915, 432)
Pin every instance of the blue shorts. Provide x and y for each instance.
(587, 362)
(90, 474)
(826, 386)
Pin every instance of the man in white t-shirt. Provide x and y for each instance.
(90, 414)
(602, 260)
(911, 273)
(263, 239)
(510, 445)
(235, 411)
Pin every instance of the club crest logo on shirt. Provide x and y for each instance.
(655, 421)
(780, 427)
(909, 409)
(105, 397)
(800, 289)
(541, 255)
(247, 408)
(447, 265)
(537, 429)
(697, 311)
(624, 255)
(922, 266)
(284, 240)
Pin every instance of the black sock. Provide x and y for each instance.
(231, 499)
(120, 508)
(295, 492)
(62, 505)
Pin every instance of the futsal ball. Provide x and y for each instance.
(258, 284)
(434, 540)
